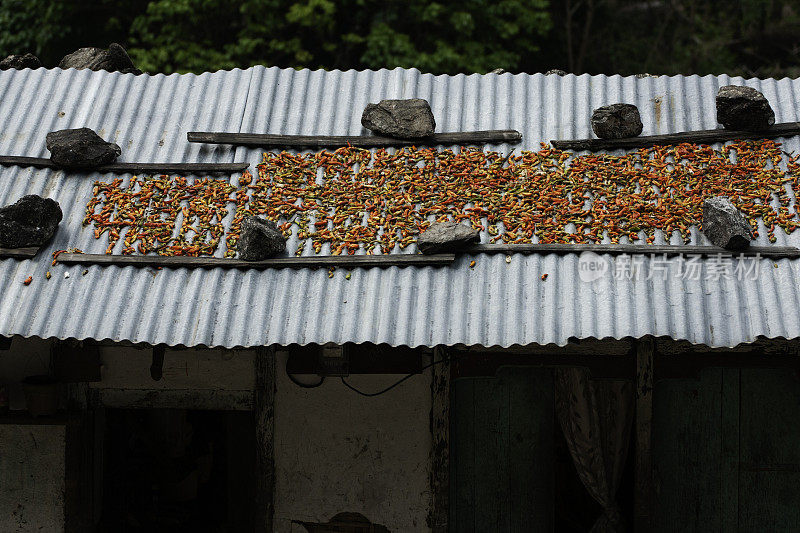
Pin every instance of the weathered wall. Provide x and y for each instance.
(32, 478)
(337, 451)
(199, 378)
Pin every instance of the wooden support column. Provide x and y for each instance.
(78, 463)
(643, 493)
(264, 412)
(440, 450)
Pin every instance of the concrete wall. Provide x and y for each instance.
(32, 478)
(194, 368)
(192, 378)
(336, 451)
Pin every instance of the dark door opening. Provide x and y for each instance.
(510, 467)
(178, 470)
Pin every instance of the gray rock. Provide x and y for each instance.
(20, 62)
(447, 237)
(404, 119)
(260, 239)
(743, 108)
(498, 71)
(556, 71)
(724, 225)
(31, 221)
(616, 121)
(80, 148)
(115, 59)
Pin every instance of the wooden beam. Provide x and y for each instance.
(123, 168)
(787, 129)
(173, 168)
(211, 399)
(78, 461)
(264, 413)
(18, 253)
(774, 252)
(439, 514)
(643, 470)
(345, 261)
(263, 140)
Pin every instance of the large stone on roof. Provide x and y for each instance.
(31, 221)
(260, 239)
(444, 237)
(80, 148)
(115, 59)
(724, 225)
(616, 121)
(20, 61)
(404, 119)
(743, 108)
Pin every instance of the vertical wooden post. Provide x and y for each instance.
(643, 494)
(78, 481)
(264, 412)
(438, 516)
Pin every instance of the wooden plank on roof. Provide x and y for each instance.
(786, 129)
(123, 168)
(345, 261)
(774, 252)
(18, 253)
(264, 140)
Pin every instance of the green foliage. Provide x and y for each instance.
(749, 37)
(198, 35)
(30, 26)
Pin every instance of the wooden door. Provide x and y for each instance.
(502, 452)
(726, 451)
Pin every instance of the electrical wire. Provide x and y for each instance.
(396, 383)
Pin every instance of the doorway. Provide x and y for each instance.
(177, 470)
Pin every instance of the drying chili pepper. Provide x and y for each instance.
(352, 199)
(28, 280)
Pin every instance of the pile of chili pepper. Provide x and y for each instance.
(351, 199)
(160, 214)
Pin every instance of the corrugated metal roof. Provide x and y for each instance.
(496, 303)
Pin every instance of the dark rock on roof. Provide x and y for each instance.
(80, 148)
(724, 225)
(31, 221)
(444, 237)
(260, 239)
(403, 119)
(115, 59)
(616, 121)
(743, 108)
(20, 61)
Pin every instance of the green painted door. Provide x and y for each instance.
(726, 451)
(501, 462)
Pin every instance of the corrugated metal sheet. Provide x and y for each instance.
(496, 303)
